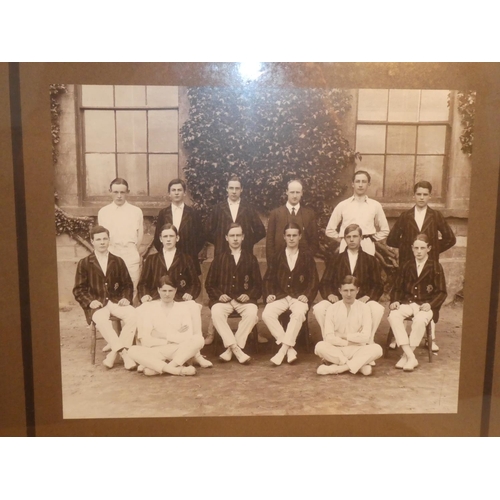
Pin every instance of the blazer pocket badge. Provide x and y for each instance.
(247, 278)
(429, 288)
(182, 283)
(117, 285)
(301, 278)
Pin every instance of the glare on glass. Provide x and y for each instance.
(403, 105)
(99, 131)
(163, 131)
(131, 131)
(401, 139)
(130, 96)
(97, 96)
(370, 138)
(99, 169)
(399, 176)
(372, 104)
(431, 139)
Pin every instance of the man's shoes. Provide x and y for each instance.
(240, 355)
(291, 355)
(328, 370)
(209, 338)
(149, 372)
(140, 368)
(366, 370)
(109, 360)
(203, 362)
(128, 362)
(277, 359)
(227, 355)
(434, 347)
(261, 339)
(400, 364)
(106, 348)
(393, 345)
(410, 365)
(187, 371)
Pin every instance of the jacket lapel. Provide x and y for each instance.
(429, 217)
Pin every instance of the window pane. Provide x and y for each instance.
(99, 96)
(100, 170)
(99, 131)
(374, 165)
(133, 169)
(401, 139)
(131, 131)
(431, 139)
(372, 104)
(399, 179)
(370, 138)
(163, 96)
(163, 131)
(434, 105)
(403, 105)
(431, 168)
(130, 95)
(162, 169)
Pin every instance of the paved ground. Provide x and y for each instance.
(92, 391)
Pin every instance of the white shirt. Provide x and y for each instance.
(289, 206)
(177, 215)
(125, 226)
(342, 328)
(236, 254)
(291, 258)
(103, 260)
(353, 258)
(233, 207)
(419, 217)
(169, 257)
(420, 265)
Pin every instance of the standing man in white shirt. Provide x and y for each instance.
(125, 224)
(361, 210)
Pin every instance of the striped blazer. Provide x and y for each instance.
(303, 280)
(227, 277)
(92, 284)
(182, 269)
(367, 271)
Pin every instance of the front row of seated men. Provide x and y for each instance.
(169, 329)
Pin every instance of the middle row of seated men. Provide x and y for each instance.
(348, 316)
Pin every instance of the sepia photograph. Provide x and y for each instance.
(260, 250)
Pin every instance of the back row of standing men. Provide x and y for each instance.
(291, 280)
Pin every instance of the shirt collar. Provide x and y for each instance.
(233, 202)
(353, 198)
(422, 263)
(178, 208)
(118, 207)
(289, 207)
(101, 256)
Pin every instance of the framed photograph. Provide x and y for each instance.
(402, 123)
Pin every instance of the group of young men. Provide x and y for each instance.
(168, 321)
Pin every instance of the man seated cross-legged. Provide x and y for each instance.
(290, 283)
(234, 284)
(347, 332)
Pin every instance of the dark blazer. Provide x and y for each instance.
(303, 280)
(91, 283)
(182, 269)
(429, 287)
(367, 271)
(403, 233)
(191, 235)
(220, 219)
(279, 218)
(225, 277)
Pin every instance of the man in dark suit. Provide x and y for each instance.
(294, 212)
(290, 283)
(103, 287)
(421, 219)
(418, 293)
(234, 210)
(185, 219)
(355, 262)
(234, 284)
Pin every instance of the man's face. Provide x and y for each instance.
(119, 193)
(100, 242)
(422, 197)
(360, 185)
(348, 293)
(234, 190)
(420, 250)
(167, 293)
(353, 240)
(292, 238)
(169, 239)
(294, 193)
(176, 193)
(235, 238)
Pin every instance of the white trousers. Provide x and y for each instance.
(420, 319)
(377, 311)
(154, 357)
(353, 356)
(249, 318)
(127, 314)
(298, 315)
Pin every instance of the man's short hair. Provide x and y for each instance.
(292, 225)
(424, 185)
(97, 230)
(232, 226)
(168, 225)
(349, 280)
(118, 180)
(364, 172)
(169, 280)
(235, 178)
(294, 180)
(352, 227)
(421, 237)
(177, 181)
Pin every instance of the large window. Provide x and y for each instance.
(131, 132)
(403, 137)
